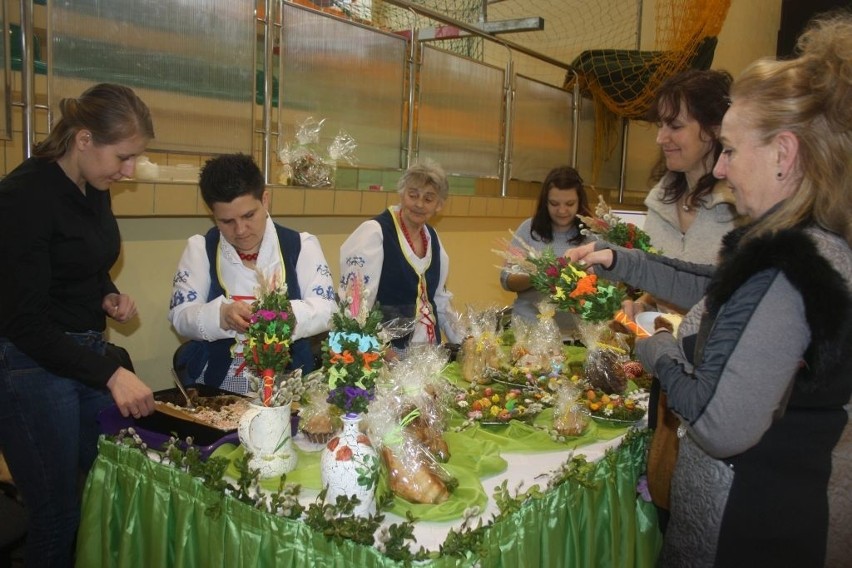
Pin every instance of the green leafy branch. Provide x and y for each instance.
(468, 538)
(334, 520)
(509, 503)
(392, 541)
(337, 522)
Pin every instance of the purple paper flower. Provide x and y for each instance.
(351, 399)
(642, 488)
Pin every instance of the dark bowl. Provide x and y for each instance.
(156, 429)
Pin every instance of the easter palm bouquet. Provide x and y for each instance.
(574, 290)
(609, 227)
(352, 354)
(565, 283)
(266, 346)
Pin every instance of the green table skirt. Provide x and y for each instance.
(139, 513)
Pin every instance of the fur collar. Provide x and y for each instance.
(828, 305)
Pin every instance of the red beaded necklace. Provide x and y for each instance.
(408, 237)
(252, 256)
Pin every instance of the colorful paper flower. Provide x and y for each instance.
(572, 289)
(611, 228)
(352, 354)
(266, 346)
(566, 284)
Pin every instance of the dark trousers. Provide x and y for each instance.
(49, 433)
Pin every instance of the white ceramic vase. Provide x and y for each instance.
(265, 431)
(350, 466)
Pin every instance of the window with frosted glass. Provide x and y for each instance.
(191, 61)
(459, 118)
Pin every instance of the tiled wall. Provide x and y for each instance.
(176, 199)
(357, 194)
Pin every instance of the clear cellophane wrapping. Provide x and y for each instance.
(481, 350)
(407, 421)
(607, 352)
(538, 345)
(318, 420)
(305, 165)
(569, 416)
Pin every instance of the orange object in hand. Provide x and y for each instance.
(622, 318)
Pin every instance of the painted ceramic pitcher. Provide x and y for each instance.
(265, 431)
(350, 466)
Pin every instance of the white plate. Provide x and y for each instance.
(645, 320)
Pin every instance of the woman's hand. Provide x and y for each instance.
(119, 307)
(132, 396)
(235, 316)
(586, 255)
(632, 308)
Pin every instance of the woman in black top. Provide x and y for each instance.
(58, 240)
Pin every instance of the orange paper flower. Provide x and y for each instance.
(370, 358)
(346, 357)
(586, 285)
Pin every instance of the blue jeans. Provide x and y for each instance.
(48, 433)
